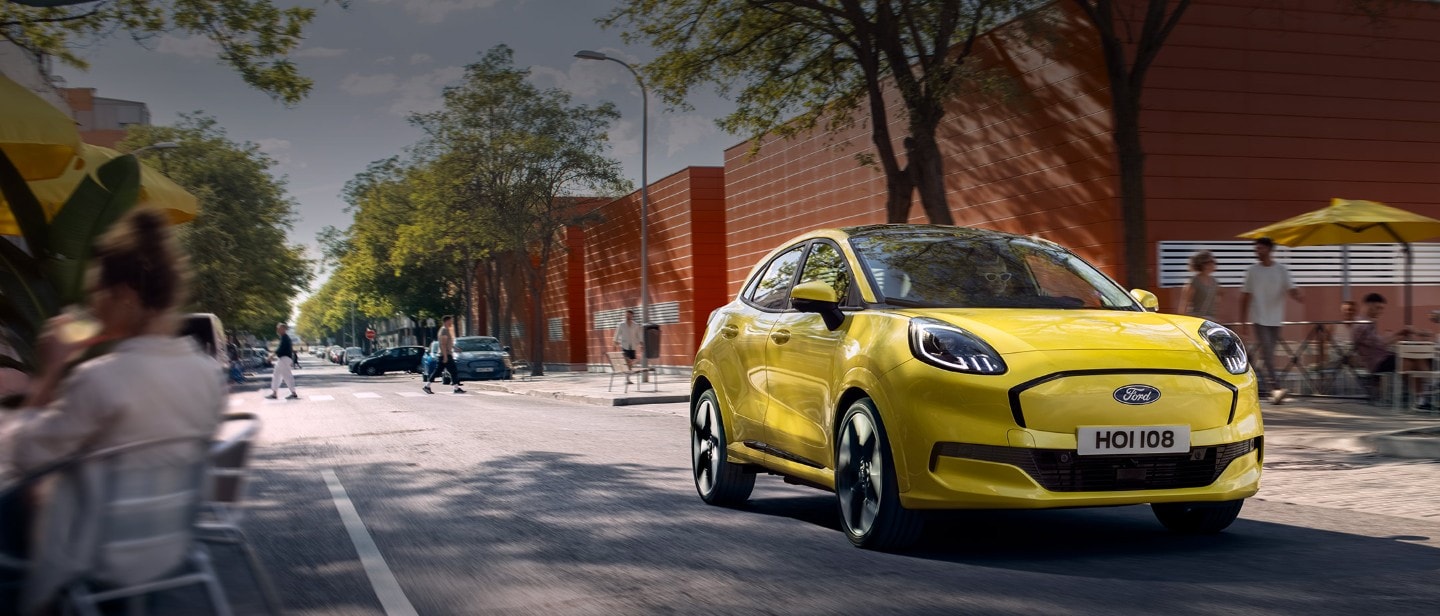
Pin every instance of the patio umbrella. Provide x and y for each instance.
(156, 190)
(39, 139)
(1355, 222)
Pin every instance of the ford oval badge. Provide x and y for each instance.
(1136, 394)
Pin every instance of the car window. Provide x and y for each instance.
(471, 345)
(955, 270)
(826, 264)
(772, 289)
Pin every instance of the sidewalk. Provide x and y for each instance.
(1351, 426)
(593, 388)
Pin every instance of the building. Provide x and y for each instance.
(1254, 112)
(103, 121)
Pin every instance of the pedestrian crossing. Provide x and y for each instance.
(243, 399)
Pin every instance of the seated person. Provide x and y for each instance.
(151, 385)
(1372, 349)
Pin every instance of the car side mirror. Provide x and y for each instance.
(820, 298)
(507, 349)
(1147, 300)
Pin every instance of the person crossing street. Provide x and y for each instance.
(285, 360)
(446, 360)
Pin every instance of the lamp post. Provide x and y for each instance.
(161, 147)
(586, 54)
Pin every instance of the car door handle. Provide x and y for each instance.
(729, 331)
(780, 337)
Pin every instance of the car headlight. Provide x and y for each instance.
(1227, 347)
(946, 346)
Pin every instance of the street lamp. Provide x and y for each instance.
(160, 146)
(586, 54)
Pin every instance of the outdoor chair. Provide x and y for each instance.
(145, 539)
(224, 505)
(619, 367)
(1412, 351)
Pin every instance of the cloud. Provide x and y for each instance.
(385, 61)
(687, 130)
(278, 149)
(435, 11)
(419, 58)
(422, 93)
(624, 139)
(369, 85)
(320, 52)
(585, 78)
(188, 46)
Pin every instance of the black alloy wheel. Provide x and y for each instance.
(718, 480)
(865, 485)
(371, 370)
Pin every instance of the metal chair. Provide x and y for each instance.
(1413, 351)
(224, 506)
(144, 540)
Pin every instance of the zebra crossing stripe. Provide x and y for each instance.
(367, 394)
(411, 394)
(322, 398)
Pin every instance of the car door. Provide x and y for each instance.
(803, 360)
(745, 329)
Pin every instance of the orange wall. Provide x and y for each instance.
(1043, 167)
(687, 256)
(1257, 112)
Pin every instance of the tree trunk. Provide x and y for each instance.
(1125, 111)
(537, 324)
(492, 295)
(929, 170)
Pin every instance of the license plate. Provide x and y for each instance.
(1098, 441)
(485, 369)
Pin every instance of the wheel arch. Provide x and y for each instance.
(855, 391)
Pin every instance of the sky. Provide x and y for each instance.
(380, 60)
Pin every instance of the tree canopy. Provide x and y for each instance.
(252, 37)
(243, 269)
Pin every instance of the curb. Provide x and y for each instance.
(582, 398)
(1420, 443)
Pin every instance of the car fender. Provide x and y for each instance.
(862, 380)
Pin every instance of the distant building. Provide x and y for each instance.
(103, 121)
(31, 71)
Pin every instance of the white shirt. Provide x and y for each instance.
(629, 336)
(1267, 287)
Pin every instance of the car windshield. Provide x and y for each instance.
(471, 345)
(960, 270)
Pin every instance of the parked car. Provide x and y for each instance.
(982, 369)
(335, 354)
(353, 359)
(403, 359)
(254, 359)
(477, 358)
(350, 354)
(207, 332)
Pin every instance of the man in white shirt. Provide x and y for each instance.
(629, 337)
(1262, 305)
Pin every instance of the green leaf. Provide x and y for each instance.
(24, 206)
(94, 206)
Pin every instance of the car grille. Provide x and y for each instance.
(1061, 470)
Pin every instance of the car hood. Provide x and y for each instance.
(480, 354)
(1018, 331)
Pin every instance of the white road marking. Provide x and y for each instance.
(237, 401)
(367, 394)
(487, 392)
(387, 588)
(412, 394)
(322, 398)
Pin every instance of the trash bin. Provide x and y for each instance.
(652, 341)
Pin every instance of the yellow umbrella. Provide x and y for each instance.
(1354, 222)
(156, 190)
(39, 139)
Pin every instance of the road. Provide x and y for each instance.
(491, 503)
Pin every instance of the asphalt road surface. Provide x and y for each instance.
(373, 498)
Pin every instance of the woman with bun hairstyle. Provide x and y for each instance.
(150, 385)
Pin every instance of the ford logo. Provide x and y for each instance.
(1136, 394)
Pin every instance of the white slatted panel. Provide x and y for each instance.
(663, 313)
(557, 329)
(1311, 266)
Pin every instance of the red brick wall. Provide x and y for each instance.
(1259, 111)
(687, 256)
(1041, 168)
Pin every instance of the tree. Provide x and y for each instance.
(1128, 53)
(243, 270)
(501, 154)
(798, 63)
(253, 37)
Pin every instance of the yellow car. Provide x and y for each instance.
(913, 367)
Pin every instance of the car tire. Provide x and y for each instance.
(718, 480)
(372, 371)
(1197, 518)
(871, 515)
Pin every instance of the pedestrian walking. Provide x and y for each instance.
(446, 360)
(629, 337)
(1202, 293)
(1262, 305)
(285, 361)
